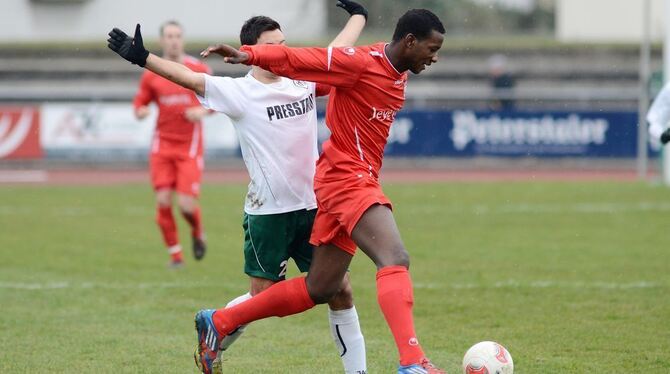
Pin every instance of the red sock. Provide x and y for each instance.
(281, 299)
(165, 221)
(193, 219)
(395, 297)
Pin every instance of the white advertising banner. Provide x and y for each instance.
(113, 126)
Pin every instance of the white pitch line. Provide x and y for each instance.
(531, 208)
(540, 284)
(600, 207)
(74, 211)
(23, 176)
(507, 284)
(37, 286)
(478, 209)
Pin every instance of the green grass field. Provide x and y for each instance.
(570, 277)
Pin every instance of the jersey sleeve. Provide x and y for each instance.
(222, 94)
(339, 67)
(323, 89)
(659, 113)
(145, 93)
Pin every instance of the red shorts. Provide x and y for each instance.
(176, 169)
(341, 203)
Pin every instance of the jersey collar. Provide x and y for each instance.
(389, 61)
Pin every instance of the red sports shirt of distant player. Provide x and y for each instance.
(176, 158)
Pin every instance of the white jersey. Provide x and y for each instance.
(277, 128)
(659, 113)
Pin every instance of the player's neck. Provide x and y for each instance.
(264, 76)
(392, 52)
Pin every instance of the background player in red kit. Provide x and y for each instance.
(176, 159)
(368, 90)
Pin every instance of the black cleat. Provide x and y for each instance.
(199, 248)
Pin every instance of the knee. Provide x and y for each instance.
(321, 292)
(185, 209)
(402, 258)
(186, 204)
(163, 201)
(343, 299)
(164, 198)
(396, 256)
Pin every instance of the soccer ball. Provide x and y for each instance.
(487, 358)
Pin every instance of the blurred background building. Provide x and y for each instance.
(571, 65)
(210, 20)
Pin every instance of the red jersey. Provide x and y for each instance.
(367, 94)
(172, 100)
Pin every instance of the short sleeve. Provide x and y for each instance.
(223, 94)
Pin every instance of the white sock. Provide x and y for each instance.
(346, 332)
(229, 339)
(174, 249)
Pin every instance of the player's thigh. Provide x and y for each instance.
(189, 175)
(265, 246)
(377, 234)
(163, 171)
(300, 249)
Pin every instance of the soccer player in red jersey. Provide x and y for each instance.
(176, 159)
(368, 91)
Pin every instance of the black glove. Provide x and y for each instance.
(665, 137)
(353, 8)
(132, 49)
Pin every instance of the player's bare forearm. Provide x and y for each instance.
(197, 113)
(176, 73)
(132, 49)
(350, 33)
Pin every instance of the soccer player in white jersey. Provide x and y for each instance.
(275, 119)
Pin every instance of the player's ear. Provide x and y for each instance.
(410, 41)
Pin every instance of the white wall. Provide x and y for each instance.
(208, 20)
(606, 20)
